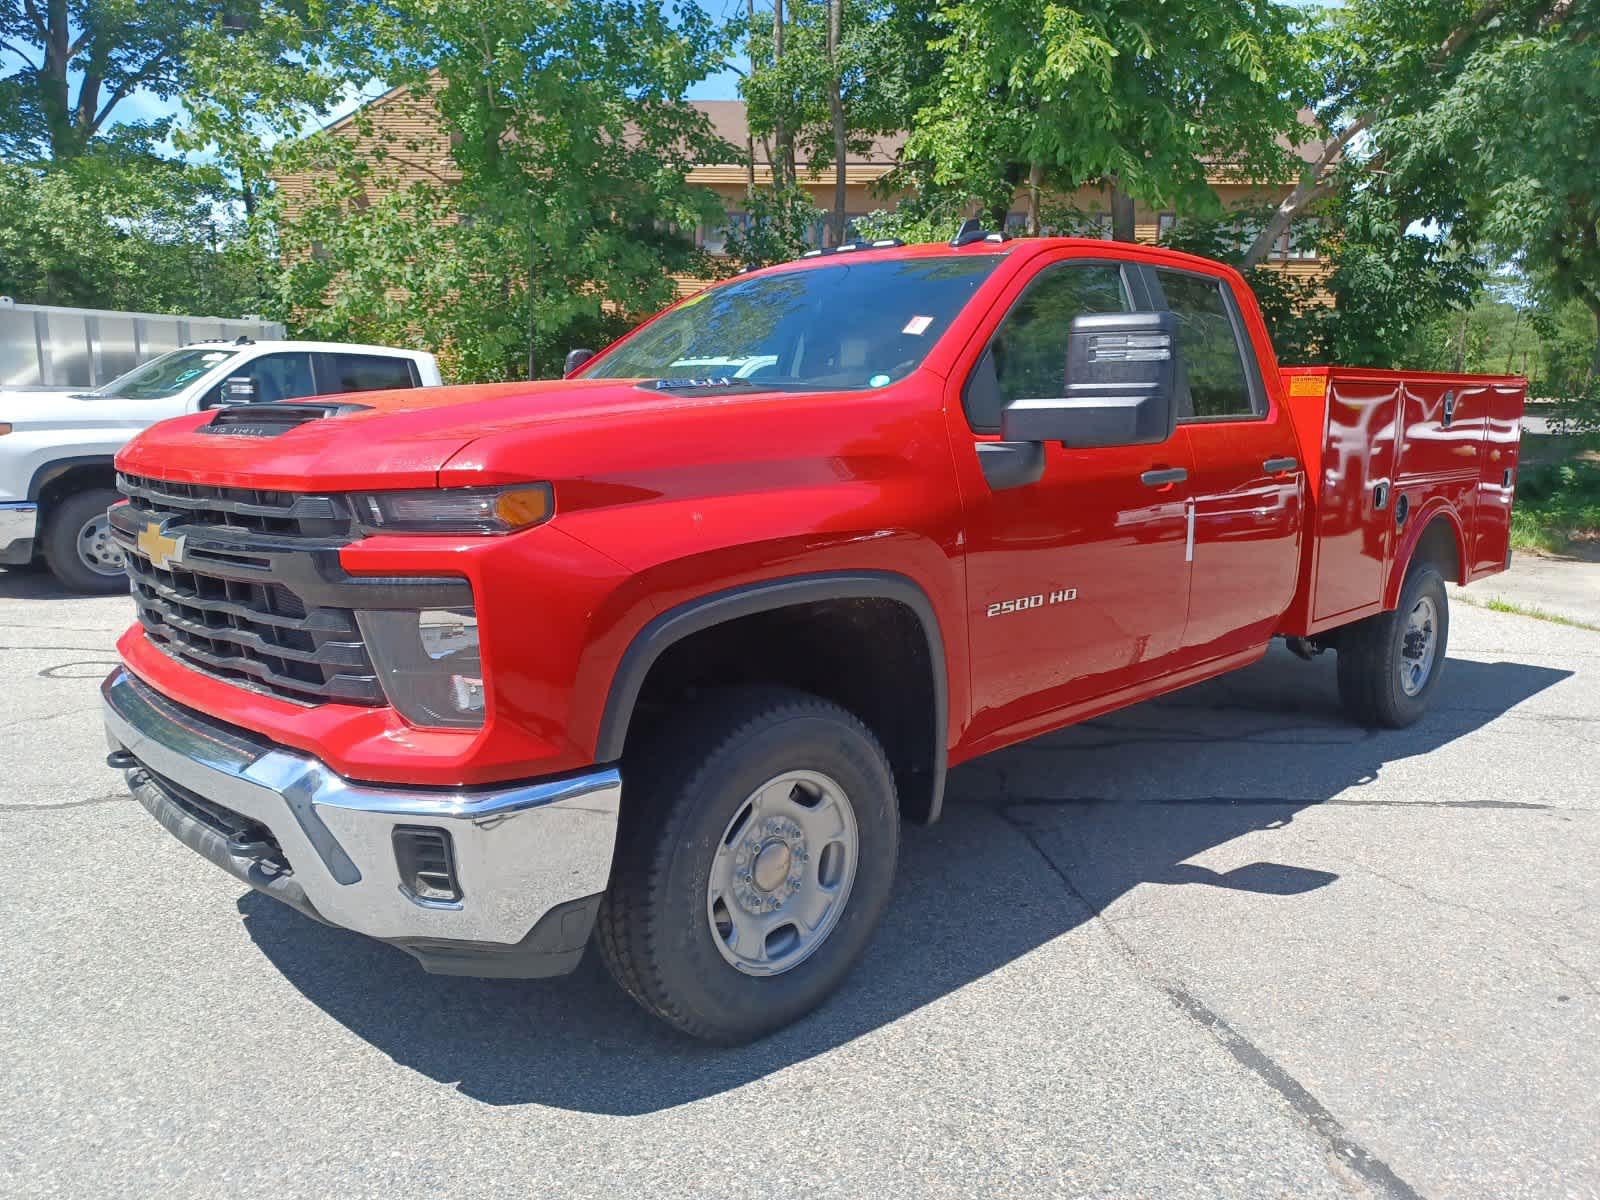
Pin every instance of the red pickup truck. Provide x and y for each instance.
(663, 652)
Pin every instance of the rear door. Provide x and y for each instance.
(1247, 482)
(1076, 578)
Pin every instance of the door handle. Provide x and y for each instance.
(1277, 466)
(1380, 496)
(1163, 476)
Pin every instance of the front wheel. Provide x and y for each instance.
(1390, 664)
(754, 861)
(78, 546)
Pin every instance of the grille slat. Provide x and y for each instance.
(253, 502)
(221, 610)
(332, 654)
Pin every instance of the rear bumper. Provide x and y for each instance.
(19, 526)
(531, 860)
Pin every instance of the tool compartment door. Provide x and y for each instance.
(1497, 481)
(1353, 518)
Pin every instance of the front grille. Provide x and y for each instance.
(239, 510)
(226, 604)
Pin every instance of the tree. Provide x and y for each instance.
(1143, 98)
(1380, 64)
(1514, 138)
(146, 235)
(565, 205)
(830, 78)
(79, 61)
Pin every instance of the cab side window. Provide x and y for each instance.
(1214, 384)
(1027, 357)
(364, 372)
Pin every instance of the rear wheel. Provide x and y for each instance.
(78, 546)
(1389, 665)
(755, 858)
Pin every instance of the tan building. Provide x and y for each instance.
(408, 129)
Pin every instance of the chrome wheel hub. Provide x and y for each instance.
(782, 873)
(97, 549)
(1418, 645)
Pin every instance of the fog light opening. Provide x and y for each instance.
(427, 863)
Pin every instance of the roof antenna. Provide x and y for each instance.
(971, 231)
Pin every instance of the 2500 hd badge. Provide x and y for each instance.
(1037, 600)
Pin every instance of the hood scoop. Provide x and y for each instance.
(269, 420)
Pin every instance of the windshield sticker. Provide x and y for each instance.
(215, 357)
(878, 381)
(185, 376)
(917, 326)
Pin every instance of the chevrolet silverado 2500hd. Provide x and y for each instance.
(661, 653)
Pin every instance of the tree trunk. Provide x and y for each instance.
(53, 81)
(780, 128)
(1035, 177)
(749, 137)
(836, 110)
(1122, 214)
(1593, 304)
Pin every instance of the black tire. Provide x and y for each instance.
(653, 927)
(68, 516)
(1370, 654)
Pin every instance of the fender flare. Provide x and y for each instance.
(47, 474)
(703, 612)
(1407, 549)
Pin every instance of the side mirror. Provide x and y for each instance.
(240, 389)
(576, 359)
(1120, 385)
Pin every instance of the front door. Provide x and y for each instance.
(1076, 581)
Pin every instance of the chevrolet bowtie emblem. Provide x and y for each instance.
(159, 548)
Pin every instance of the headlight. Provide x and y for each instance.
(455, 510)
(428, 662)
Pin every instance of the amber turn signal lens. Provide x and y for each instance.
(524, 506)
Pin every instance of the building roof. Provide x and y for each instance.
(729, 120)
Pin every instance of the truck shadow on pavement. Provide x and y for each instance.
(1035, 841)
(33, 583)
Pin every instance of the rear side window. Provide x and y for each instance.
(364, 372)
(1216, 383)
(1029, 351)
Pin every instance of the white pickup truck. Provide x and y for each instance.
(56, 446)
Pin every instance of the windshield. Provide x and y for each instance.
(846, 325)
(164, 376)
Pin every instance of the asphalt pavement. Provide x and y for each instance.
(1221, 944)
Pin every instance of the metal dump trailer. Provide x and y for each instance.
(45, 346)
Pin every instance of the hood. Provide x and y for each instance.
(72, 408)
(395, 439)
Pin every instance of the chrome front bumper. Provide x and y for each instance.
(19, 526)
(531, 859)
